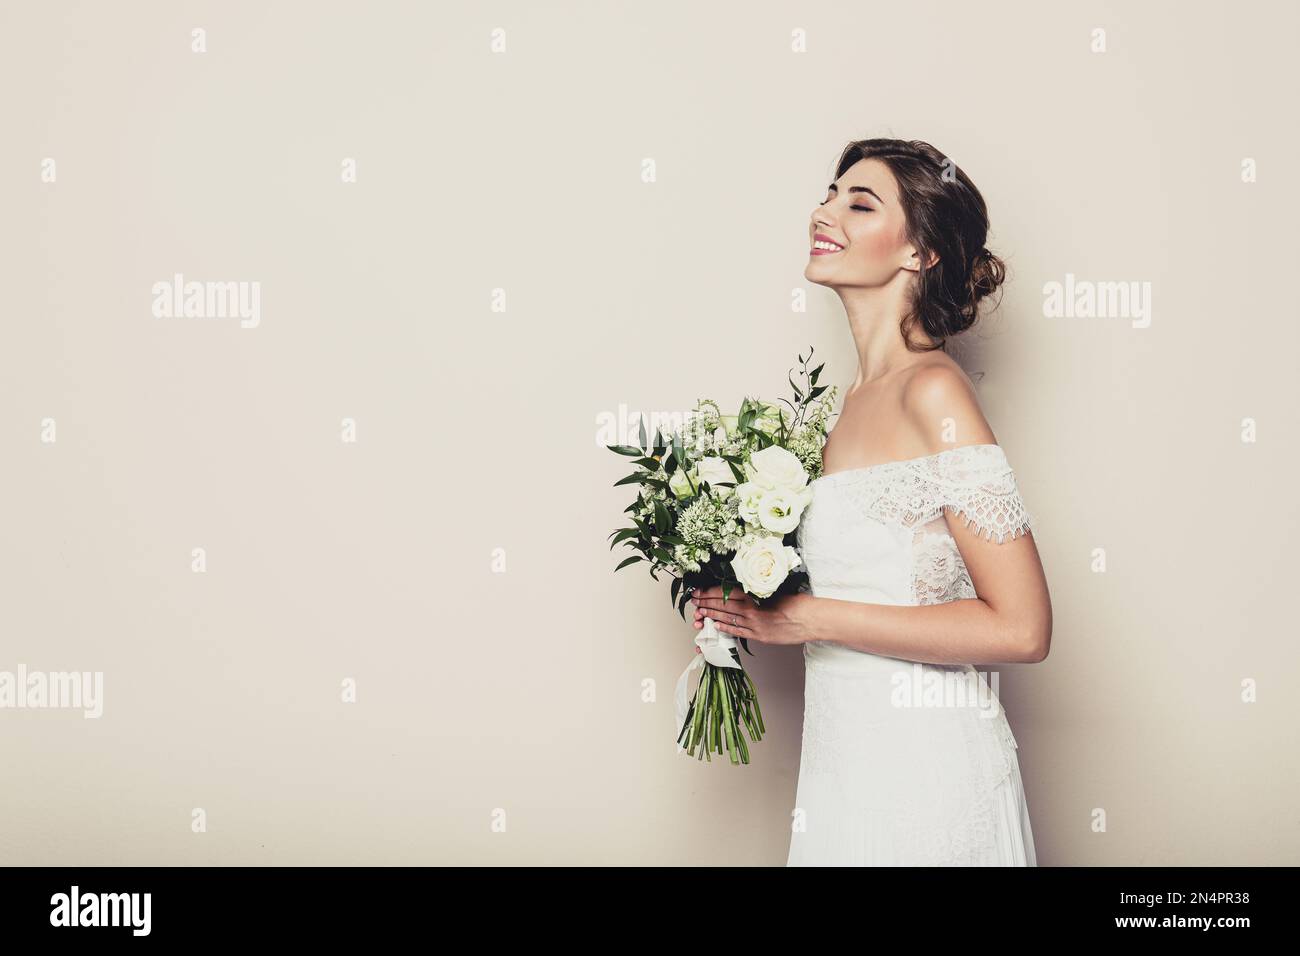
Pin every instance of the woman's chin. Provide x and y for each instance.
(812, 274)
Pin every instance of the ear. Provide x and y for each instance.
(913, 261)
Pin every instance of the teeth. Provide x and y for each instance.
(828, 246)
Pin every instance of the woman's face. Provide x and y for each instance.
(863, 221)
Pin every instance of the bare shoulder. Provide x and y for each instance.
(942, 408)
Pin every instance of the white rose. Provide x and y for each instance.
(762, 563)
(776, 467)
(779, 510)
(713, 470)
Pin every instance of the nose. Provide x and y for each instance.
(820, 218)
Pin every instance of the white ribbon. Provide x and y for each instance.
(715, 647)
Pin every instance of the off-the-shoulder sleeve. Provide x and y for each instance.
(976, 484)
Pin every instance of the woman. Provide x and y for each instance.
(917, 545)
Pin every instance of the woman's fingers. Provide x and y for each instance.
(721, 610)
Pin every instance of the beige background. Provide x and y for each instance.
(477, 430)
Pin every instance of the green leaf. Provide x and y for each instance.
(626, 450)
(623, 535)
(627, 561)
(634, 479)
(662, 522)
(645, 442)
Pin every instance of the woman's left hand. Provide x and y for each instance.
(782, 620)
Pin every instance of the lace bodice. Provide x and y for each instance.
(878, 533)
(928, 781)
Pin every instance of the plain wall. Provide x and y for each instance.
(478, 430)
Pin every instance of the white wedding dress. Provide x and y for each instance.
(882, 783)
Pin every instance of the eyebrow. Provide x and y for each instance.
(858, 189)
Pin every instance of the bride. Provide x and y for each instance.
(918, 547)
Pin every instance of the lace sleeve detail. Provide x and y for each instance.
(976, 484)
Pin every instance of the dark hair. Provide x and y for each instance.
(946, 216)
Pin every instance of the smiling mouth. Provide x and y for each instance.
(823, 248)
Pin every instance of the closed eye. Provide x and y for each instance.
(862, 208)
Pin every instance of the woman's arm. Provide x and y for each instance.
(1006, 628)
(1010, 621)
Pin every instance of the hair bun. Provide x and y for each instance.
(987, 272)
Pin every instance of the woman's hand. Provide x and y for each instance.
(783, 620)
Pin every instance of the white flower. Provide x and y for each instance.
(777, 468)
(749, 499)
(762, 563)
(713, 470)
(680, 485)
(779, 510)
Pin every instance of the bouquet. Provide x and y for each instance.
(718, 503)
